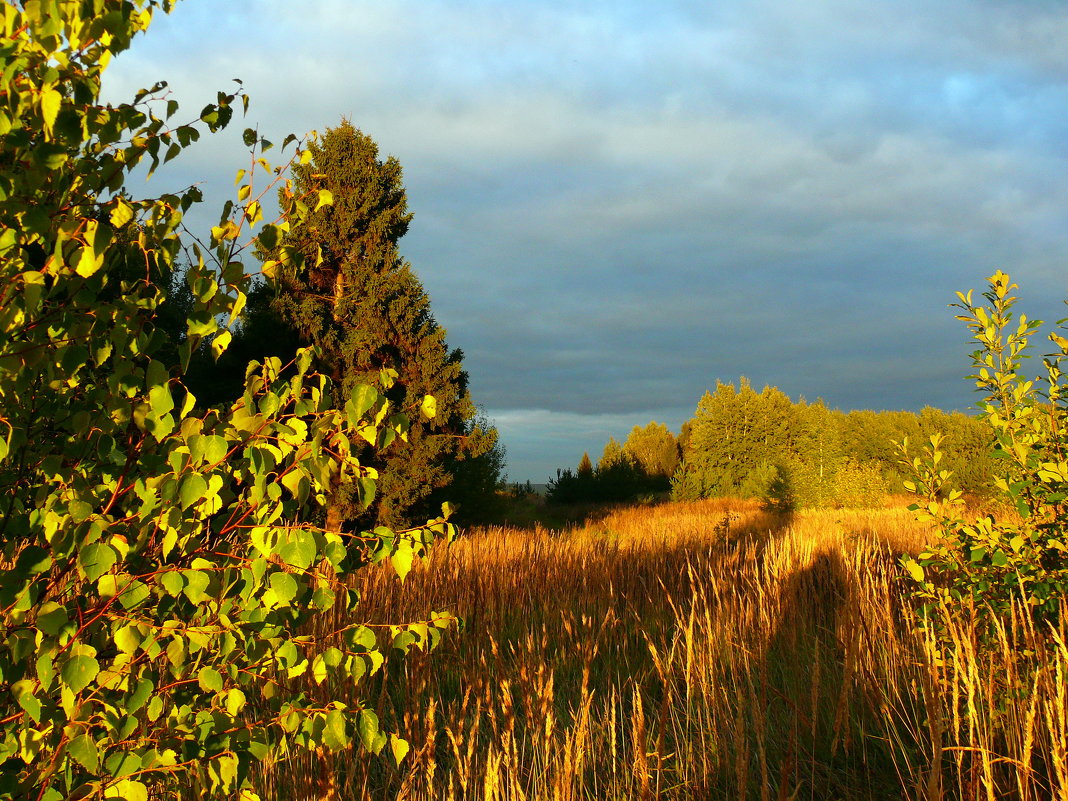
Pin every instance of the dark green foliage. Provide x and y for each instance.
(618, 478)
(477, 485)
(366, 311)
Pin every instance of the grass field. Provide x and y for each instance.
(697, 651)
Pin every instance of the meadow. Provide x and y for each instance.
(700, 650)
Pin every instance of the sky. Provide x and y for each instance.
(618, 204)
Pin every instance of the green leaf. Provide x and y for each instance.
(914, 569)
(193, 490)
(140, 694)
(367, 727)
(121, 214)
(299, 552)
(96, 559)
(83, 749)
(319, 670)
(365, 638)
(127, 789)
(363, 398)
(79, 672)
(334, 735)
(51, 100)
(210, 680)
(172, 582)
(215, 449)
(284, 587)
(402, 559)
(52, 618)
(235, 701)
(127, 639)
(23, 691)
(79, 511)
(196, 584)
(326, 198)
(429, 407)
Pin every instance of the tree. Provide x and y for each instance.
(611, 455)
(156, 560)
(654, 448)
(365, 310)
(735, 440)
(585, 466)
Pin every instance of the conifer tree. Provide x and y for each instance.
(585, 467)
(367, 311)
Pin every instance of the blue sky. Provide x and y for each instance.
(619, 203)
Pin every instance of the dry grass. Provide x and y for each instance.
(698, 651)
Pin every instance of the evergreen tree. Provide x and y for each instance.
(585, 467)
(366, 310)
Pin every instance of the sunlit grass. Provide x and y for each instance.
(693, 651)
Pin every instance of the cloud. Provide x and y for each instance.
(617, 204)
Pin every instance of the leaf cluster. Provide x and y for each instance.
(155, 560)
(1021, 553)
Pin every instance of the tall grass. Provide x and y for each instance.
(698, 651)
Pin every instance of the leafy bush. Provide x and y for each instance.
(1020, 554)
(154, 569)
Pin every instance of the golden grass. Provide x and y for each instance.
(697, 651)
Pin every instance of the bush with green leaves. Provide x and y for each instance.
(1019, 554)
(155, 571)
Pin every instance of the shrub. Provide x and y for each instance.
(1020, 555)
(154, 568)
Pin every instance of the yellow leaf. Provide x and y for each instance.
(51, 100)
(122, 213)
(915, 570)
(429, 407)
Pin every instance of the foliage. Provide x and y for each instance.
(741, 443)
(859, 485)
(1022, 553)
(366, 311)
(653, 446)
(618, 478)
(154, 568)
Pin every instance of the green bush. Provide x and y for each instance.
(155, 568)
(1021, 554)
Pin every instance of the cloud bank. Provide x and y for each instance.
(618, 204)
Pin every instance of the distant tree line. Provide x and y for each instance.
(749, 444)
(639, 468)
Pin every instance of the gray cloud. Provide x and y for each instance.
(619, 203)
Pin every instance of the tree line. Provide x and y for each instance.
(749, 444)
